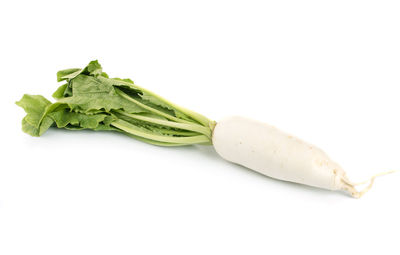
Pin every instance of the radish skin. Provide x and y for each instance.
(269, 151)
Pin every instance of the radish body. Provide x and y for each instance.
(269, 151)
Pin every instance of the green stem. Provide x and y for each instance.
(133, 130)
(190, 127)
(155, 142)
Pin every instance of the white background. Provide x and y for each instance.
(326, 71)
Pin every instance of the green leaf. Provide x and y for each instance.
(36, 130)
(68, 74)
(60, 92)
(35, 122)
(124, 80)
(91, 94)
(93, 68)
(67, 119)
(84, 84)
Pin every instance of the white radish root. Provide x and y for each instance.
(269, 151)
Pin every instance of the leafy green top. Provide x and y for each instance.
(89, 99)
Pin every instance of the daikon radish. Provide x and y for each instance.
(89, 99)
